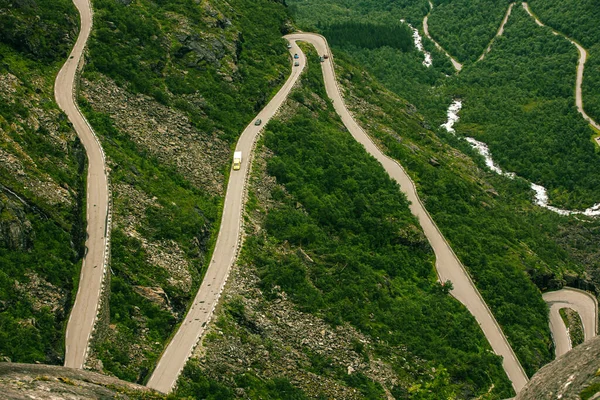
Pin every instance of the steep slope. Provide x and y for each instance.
(42, 175)
(319, 244)
(578, 20)
(168, 88)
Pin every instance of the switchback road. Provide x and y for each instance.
(580, 68)
(584, 303)
(447, 264)
(83, 316)
(457, 66)
(181, 346)
(499, 33)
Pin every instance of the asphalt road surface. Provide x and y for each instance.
(447, 264)
(83, 316)
(181, 346)
(586, 306)
(580, 68)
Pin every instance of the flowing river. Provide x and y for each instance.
(428, 61)
(541, 194)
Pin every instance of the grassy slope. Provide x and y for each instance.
(520, 101)
(465, 27)
(579, 21)
(35, 38)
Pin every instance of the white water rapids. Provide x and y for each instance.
(541, 194)
(419, 45)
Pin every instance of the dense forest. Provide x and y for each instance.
(465, 27)
(42, 183)
(578, 19)
(401, 70)
(385, 12)
(520, 101)
(369, 36)
(475, 210)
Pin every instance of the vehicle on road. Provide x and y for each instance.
(289, 46)
(325, 56)
(321, 59)
(237, 160)
(296, 56)
(258, 122)
(296, 64)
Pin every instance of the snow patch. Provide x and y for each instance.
(541, 194)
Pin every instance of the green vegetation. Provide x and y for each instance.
(369, 36)
(520, 101)
(41, 30)
(41, 236)
(372, 265)
(170, 50)
(589, 391)
(572, 321)
(309, 13)
(504, 241)
(579, 21)
(465, 27)
(182, 214)
(218, 64)
(194, 385)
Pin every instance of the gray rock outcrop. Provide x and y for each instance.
(575, 375)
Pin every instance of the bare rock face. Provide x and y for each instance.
(28, 381)
(15, 229)
(575, 375)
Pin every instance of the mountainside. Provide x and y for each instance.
(336, 290)
(169, 87)
(502, 237)
(42, 183)
(335, 293)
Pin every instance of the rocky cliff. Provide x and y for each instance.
(575, 375)
(27, 381)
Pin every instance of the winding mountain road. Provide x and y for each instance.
(499, 33)
(447, 264)
(226, 249)
(83, 316)
(584, 303)
(580, 68)
(457, 66)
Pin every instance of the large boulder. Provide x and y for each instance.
(574, 375)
